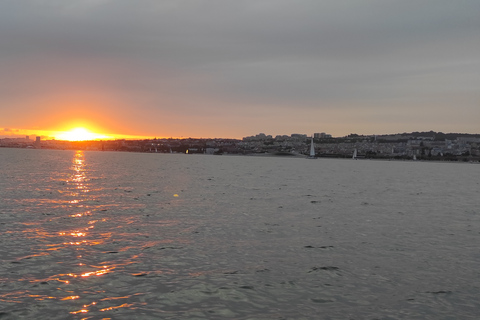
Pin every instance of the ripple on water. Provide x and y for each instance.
(125, 235)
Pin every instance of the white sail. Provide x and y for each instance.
(312, 149)
(354, 154)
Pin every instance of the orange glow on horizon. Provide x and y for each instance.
(80, 134)
(83, 132)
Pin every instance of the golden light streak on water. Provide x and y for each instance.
(78, 215)
(118, 298)
(96, 273)
(79, 311)
(125, 305)
(75, 243)
(40, 297)
(104, 270)
(78, 234)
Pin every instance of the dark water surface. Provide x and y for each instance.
(98, 235)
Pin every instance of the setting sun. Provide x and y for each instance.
(80, 134)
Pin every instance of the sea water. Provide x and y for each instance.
(112, 235)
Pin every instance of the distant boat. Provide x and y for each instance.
(414, 157)
(354, 157)
(312, 151)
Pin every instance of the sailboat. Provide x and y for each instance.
(312, 151)
(354, 157)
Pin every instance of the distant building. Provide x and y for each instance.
(468, 139)
(298, 136)
(258, 137)
(321, 135)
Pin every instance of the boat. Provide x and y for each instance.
(312, 151)
(354, 157)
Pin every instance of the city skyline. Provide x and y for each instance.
(232, 69)
(82, 135)
(436, 146)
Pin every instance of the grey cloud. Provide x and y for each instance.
(308, 53)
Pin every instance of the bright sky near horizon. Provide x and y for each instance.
(224, 68)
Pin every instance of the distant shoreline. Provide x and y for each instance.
(473, 160)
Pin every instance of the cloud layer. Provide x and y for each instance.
(234, 68)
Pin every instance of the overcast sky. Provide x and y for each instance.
(221, 68)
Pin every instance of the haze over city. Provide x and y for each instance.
(221, 68)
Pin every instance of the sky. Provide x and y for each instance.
(230, 69)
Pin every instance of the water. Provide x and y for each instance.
(92, 235)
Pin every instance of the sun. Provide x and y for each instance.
(80, 134)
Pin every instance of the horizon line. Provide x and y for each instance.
(15, 134)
